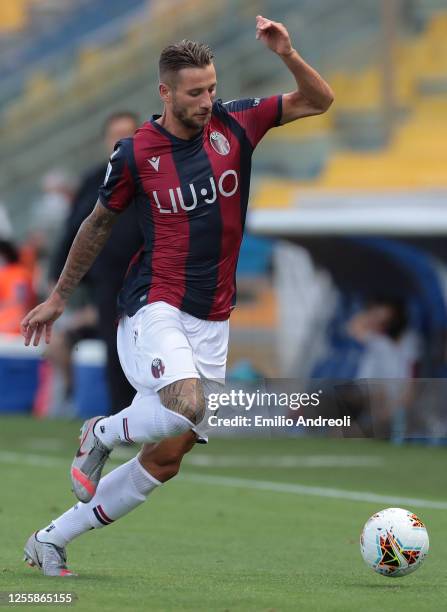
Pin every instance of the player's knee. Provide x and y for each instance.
(168, 451)
(185, 397)
(163, 472)
(168, 472)
(163, 467)
(160, 459)
(163, 460)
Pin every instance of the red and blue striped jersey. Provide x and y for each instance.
(191, 197)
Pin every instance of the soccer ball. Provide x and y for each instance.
(394, 542)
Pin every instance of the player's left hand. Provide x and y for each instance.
(274, 35)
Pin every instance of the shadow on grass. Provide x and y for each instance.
(34, 576)
(395, 586)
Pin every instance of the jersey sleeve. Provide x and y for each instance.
(118, 188)
(256, 115)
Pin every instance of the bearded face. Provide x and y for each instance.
(189, 96)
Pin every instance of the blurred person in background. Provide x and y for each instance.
(368, 365)
(16, 293)
(49, 212)
(388, 361)
(381, 327)
(103, 282)
(47, 216)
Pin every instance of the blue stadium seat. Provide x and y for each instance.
(63, 39)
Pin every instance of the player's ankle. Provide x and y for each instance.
(105, 434)
(52, 535)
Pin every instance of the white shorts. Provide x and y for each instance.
(161, 344)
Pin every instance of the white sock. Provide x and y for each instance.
(145, 420)
(51, 534)
(119, 492)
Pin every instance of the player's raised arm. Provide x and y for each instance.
(89, 241)
(313, 95)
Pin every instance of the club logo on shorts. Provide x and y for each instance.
(219, 143)
(157, 368)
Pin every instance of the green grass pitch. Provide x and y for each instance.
(206, 542)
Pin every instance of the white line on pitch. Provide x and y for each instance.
(284, 487)
(285, 461)
(245, 483)
(272, 461)
(31, 459)
(247, 461)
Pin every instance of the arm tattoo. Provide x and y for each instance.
(186, 398)
(89, 241)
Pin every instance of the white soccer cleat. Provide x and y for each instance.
(88, 462)
(49, 558)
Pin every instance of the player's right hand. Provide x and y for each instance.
(40, 319)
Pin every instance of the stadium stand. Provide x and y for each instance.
(13, 16)
(87, 84)
(415, 156)
(54, 33)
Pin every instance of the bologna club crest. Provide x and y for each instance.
(219, 143)
(158, 367)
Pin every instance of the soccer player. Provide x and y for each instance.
(188, 173)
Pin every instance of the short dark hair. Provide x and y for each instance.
(399, 319)
(184, 54)
(115, 116)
